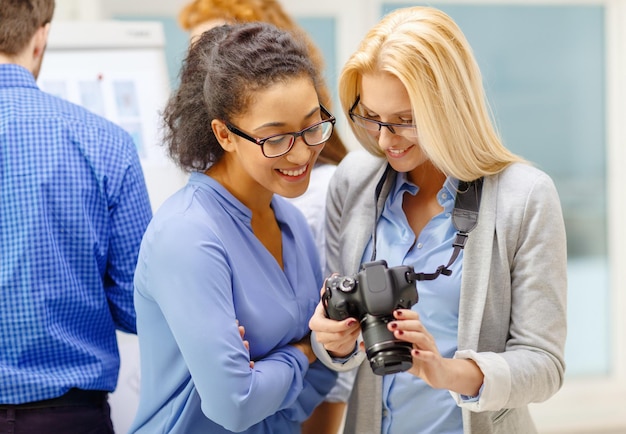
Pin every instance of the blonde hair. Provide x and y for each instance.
(269, 11)
(429, 54)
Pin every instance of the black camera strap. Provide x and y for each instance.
(464, 219)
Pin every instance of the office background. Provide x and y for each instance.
(555, 74)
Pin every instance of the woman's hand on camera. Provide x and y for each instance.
(458, 375)
(338, 337)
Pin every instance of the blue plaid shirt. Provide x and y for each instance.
(73, 209)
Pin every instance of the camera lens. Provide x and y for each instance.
(392, 361)
(386, 354)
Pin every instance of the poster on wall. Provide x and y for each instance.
(117, 69)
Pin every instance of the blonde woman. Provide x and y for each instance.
(487, 335)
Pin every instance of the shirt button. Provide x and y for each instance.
(448, 214)
(444, 195)
(420, 245)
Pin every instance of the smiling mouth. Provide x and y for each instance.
(293, 173)
(397, 152)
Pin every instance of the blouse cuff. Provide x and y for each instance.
(496, 387)
(342, 364)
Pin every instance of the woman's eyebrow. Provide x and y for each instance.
(280, 124)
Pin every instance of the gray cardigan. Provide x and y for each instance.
(512, 313)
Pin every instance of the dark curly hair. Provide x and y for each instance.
(222, 71)
(197, 12)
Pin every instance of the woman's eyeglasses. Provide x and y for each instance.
(279, 144)
(373, 126)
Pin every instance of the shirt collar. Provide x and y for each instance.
(402, 184)
(233, 205)
(446, 195)
(12, 75)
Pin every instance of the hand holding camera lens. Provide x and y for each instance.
(371, 296)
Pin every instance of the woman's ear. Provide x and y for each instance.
(223, 135)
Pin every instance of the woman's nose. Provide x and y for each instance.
(301, 152)
(386, 138)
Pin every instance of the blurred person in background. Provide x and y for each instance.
(73, 209)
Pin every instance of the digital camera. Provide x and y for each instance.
(371, 296)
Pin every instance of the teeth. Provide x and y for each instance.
(396, 151)
(293, 172)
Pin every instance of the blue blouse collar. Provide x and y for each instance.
(402, 185)
(233, 205)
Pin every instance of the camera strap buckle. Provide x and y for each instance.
(442, 269)
(464, 218)
(460, 240)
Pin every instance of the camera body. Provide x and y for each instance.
(371, 296)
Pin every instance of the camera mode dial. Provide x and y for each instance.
(347, 284)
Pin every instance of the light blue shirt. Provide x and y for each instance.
(73, 209)
(200, 270)
(409, 404)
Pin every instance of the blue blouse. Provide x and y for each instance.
(200, 270)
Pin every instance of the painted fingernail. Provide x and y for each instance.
(394, 325)
(400, 332)
(415, 353)
(399, 312)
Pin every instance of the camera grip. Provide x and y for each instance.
(335, 300)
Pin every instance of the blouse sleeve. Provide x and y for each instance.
(192, 284)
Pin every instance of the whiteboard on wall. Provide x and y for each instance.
(117, 69)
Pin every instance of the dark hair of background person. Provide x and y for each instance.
(270, 11)
(218, 79)
(19, 19)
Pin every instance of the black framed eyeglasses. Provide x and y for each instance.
(279, 144)
(374, 126)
